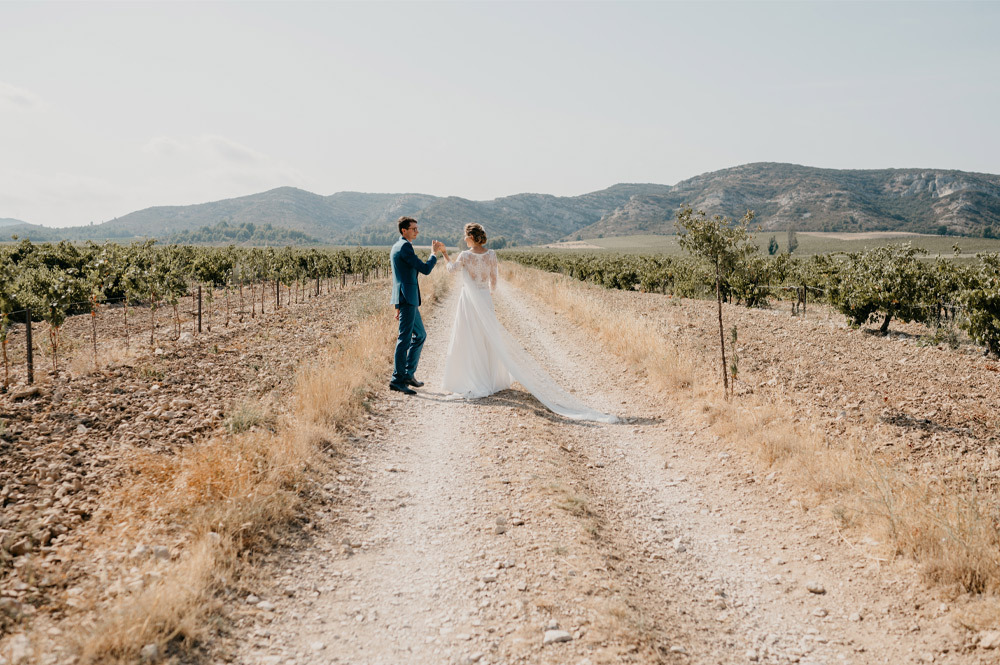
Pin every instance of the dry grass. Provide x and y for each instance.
(110, 353)
(954, 538)
(224, 497)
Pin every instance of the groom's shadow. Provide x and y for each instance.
(521, 400)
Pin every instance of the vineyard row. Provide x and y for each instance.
(874, 286)
(48, 282)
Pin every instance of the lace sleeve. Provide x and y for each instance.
(494, 270)
(457, 263)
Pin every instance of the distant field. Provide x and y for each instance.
(809, 243)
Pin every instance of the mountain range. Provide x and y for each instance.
(783, 196)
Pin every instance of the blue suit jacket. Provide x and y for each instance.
(405, 266)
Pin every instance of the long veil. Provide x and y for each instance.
(524, 369)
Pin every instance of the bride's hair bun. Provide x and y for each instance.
(477, 232)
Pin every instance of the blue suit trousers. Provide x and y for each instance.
(409, 344)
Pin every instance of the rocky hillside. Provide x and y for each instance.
(523, 218)
(326, 218)
(809, 199)
(782, 195)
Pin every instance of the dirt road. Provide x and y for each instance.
(494, 532)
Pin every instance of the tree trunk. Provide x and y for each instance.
(885, 324)
(152, 319)
(6, 367)
(722, 334)
(93, 321)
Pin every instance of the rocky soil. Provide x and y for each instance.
(934, 408)
(71, 440)
(491, 531)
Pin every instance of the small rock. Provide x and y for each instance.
(139, 551)
(677, 649)
(553, 636)
(252, 600)
(19, 649)
(989, 639)
(10, 607)
(855, 617)
(266, 606)
(815, 587)
(820, 612)
(752, 655)
(552, 625)
(489, 577)
(474, 658)
(26, 393)
(161, 552)
(679, 546)
(21, 547)
(500, 529)
(317, 646)
(150, 653)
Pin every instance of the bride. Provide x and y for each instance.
(483, 358)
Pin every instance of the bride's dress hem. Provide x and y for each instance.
(483, 358)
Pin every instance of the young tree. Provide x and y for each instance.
(772, 246)
(793, 241)
(724, 246)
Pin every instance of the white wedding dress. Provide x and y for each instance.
(483, 358)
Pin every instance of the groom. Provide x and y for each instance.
(406, 297)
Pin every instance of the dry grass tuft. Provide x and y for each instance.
(228, 495)
(953, 537)
(171, 608)
(635, 340)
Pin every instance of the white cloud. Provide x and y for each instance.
(19, 99)
(232, 151)
(163, 146)
(183, 169)
(56, 199)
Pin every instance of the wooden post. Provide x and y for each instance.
(805, 297)
(722, 335)
(199, 309)
(31, 354)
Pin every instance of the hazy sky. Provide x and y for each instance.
(110, 108)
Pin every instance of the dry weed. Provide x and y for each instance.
(953, 537)
(229, 494)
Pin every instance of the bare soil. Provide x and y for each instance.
(70, 445)
(933, 408)
(465, 532)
